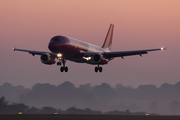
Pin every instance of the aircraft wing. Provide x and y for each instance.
(110, 55)
(34, 52)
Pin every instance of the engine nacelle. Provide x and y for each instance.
(47, 59)
(97, 58)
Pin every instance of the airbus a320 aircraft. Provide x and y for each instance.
(65, 48)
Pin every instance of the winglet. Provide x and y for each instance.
(14, 48)
(164, 48)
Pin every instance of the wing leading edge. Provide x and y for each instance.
(110, 55)
(33, 52)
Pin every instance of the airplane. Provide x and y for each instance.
(65, 48)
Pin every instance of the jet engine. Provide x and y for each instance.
(47, 59)
(97, 58)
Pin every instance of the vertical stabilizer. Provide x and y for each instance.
(108, 40)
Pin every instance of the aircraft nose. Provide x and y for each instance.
(56, 42)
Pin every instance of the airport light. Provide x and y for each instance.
(147, 114)
(20, 113)
(55, 113)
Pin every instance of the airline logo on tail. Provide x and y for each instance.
(108, 39)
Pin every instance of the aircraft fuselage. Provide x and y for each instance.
(72, 49)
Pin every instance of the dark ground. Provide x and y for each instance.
(85, 117)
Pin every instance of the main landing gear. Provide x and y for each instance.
(98, 69)
(63, 68)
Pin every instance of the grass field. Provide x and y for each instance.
(85, 117)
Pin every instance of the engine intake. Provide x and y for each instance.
(47, 59)
(96, 58)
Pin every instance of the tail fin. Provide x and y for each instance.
(108, 40)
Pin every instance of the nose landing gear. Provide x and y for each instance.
(63, 68)
(59, 63)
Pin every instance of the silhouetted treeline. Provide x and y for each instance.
(12, 93)
(149, 92)
(20, 108)
(6, 108)
(99, 97)
(13, 108)
(127, 112)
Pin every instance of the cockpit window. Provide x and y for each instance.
(61, 40)
(57, 39)
(54, 39)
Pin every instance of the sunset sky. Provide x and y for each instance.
(139, 24)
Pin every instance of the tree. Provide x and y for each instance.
(174, 107)
(33, 110)
(16, 108)
(3, 105)
(133, 107)
(104, 92)
(48, 110)
(153, 106)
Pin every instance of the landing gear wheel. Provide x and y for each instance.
(62, 69)
(100, 69)
(59, 63)
(96, 69)
(66, 69)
